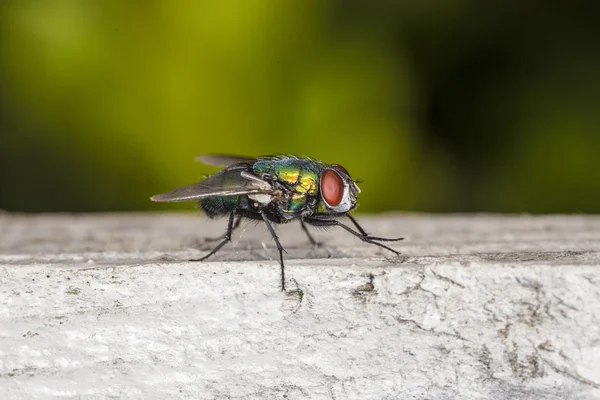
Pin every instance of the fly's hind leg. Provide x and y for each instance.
(217, 238)
(226, 238)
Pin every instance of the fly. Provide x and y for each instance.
(275, 189)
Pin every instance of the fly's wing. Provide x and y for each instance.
(222, 160)
(228, 182)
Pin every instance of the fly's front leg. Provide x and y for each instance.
(364, 237)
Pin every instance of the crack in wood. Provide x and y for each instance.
(430, 330)
(565, 371)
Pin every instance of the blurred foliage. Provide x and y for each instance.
(453, 105)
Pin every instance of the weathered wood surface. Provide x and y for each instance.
(477, 307)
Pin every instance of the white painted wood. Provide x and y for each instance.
(477, 307)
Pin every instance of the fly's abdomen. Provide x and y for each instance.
(219, 206)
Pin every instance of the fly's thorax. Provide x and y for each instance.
(299, 175)
(305, 190)
(298, 180)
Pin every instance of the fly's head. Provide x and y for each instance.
(338, 190)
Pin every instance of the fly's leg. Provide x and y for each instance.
(235, 226)
(226, 238)
(279, 248)
(310, 238)
(365, 238)
(366, 235)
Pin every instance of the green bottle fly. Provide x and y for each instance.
(275, 189)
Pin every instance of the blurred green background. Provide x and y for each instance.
(450, 105)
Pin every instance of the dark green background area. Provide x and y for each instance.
(452, 105)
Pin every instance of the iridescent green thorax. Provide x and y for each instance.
(301, 176)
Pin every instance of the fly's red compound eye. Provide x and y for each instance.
(332, 187)
(340, 168)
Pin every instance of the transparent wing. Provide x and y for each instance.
(222, 160)
(228, 182)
